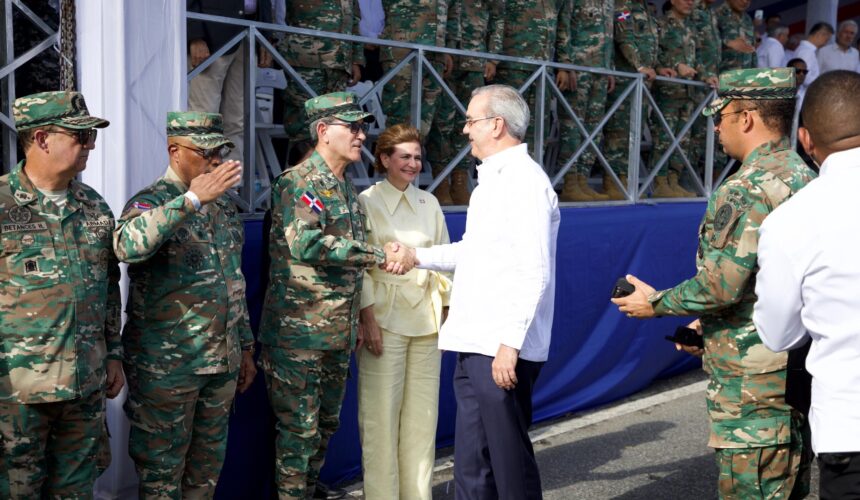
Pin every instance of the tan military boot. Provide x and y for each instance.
(460, 187)
(611, 189)
(676, 187)
(583, 185)
(662, 189)
(443, 190)
(572, 191)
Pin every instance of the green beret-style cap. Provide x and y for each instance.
(204, 130)
(754, 84)
(342, 105)
(63, 108)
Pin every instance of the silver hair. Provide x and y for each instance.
(847, 22)
(777, 31)
(504, 101)
(313, 127)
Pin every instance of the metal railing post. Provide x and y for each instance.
(7, 91)
(634, 153)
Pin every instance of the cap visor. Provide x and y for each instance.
(354, 116)
(210, 141)
(715, 106)
(83, 122)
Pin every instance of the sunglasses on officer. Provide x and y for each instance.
(85, 137)
(209, 154)
(354, 127)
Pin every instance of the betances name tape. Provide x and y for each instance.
(98, 223)
(33, 226)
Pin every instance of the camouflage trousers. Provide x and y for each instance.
(677, 107)
(397, 98)
(323, 81)
(446, 137)
(770, 472)
(698, 142)
(178, 430)
(50, 450)
(306, 389)
(617, 130)
(516, 78)
(589, 103)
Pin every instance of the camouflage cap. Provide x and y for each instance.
(204, 130)
(755, 84)
(341, 105)
(66, 109)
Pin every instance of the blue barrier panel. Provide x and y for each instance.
(597, 354)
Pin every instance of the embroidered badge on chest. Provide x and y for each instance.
(30, 267)
(27, 240)
(20, 215)
(194, 259)
(183, 234)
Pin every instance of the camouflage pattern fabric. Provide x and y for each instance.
(49, 450)
(66, 109)
(636, 45)
(306, 389)
(537, 29)
(421, 22)
(186, 306)
(178, 433)
(325, 64)
(591, 28)
(753, 84)
(481, 26)
(677, 46)
(204, 130)
(708, 54)
(734, 25)
(59, 297)
(746, 394)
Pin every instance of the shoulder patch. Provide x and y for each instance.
(723, 216)
(141, 205)
(313, 202)
(622, 15)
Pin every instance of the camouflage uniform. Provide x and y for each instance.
(481, 27)
(708, 53)
(536, 29)
(187, 322)
(677, 46)
(424, 22)
(325, 64)
(635, 47)
(756, 434)
(591, 29)
(59, 320)
(734, 25)
(309, 324)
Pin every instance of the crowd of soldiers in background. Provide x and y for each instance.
(690, 39)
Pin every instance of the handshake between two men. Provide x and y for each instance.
(399, 258)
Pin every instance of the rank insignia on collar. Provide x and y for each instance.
(23, 196)
(313, 202)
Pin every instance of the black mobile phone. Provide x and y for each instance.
(687, 336)
(622, 288)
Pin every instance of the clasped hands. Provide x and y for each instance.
(399, 258)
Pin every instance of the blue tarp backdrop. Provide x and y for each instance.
(597, 355)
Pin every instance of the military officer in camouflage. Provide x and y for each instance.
(423, 22)
(60, 351)
(757, 436)
(635, 37)
(187, 341)
(737, 34)
(319, 251)
(326, 65)
(708, 55)
(591, 30)
(481, 26)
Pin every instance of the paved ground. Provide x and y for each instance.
(649, 446)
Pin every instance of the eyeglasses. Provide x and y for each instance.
(719, 117)
(85, 137)
(801, 71)
(208, 154)
(354, 127)
(471, 121)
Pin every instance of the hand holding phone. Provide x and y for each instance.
(688, 337)
(622, 288)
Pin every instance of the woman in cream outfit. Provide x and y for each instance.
(399, 362)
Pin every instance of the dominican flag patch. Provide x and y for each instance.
(623, 15)
(313, 202)
(142, 206)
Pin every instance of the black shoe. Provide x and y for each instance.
(324, 492)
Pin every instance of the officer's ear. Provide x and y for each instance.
(806, 141)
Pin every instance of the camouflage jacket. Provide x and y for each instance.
(319, 251)
(481, 28)
(425, 22)
(677, 46)
(336, 16)
(59, 293)
(636, 36)
(591, 29)
(537, 29)
(708, 43)
(746, 396)
(733, 25)
(186, 305)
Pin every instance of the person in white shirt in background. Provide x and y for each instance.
(771, 52)
(840, 55)
(791, 45)
(808, 275)
(800, 72)
(807, 50)
(502, 303)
